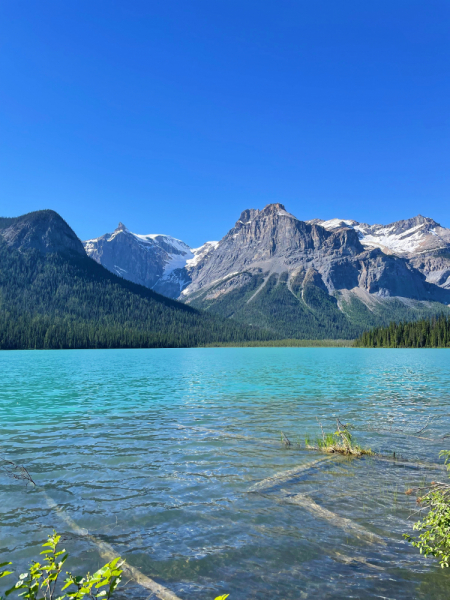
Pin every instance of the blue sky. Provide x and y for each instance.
(175, 116)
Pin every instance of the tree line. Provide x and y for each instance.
(426, 333)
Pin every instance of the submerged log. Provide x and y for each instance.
(348, 560)
(228, 434)
(108, 553)
(285, 476)
(347, 525)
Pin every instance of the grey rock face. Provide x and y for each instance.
(422, 241)
(155, 261)
(274, 241)
(435, 265)
(334, 256)
(42, 230)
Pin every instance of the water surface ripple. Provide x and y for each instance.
(156, 452)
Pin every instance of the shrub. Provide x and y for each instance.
(434, 539)
(41, 581)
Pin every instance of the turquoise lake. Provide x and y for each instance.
(161, 455)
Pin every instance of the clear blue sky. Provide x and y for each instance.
(174, 116)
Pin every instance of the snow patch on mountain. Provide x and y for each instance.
(200, 253)
(402, 237)
(337, 223)
(406, 242)
(163, 240)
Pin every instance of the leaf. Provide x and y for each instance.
(5, 573)
(4, 564)
(18, 586)
(222, 597)
(112, 564)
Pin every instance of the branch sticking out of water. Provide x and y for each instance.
(284, 440)
(15, 471)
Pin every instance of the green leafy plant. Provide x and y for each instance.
(341, 441)
(434, 537)
(41, 581)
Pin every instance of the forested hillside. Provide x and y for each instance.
(426, 333)
(305, 311)
(66, 300)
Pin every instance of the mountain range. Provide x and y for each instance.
(52, 295)
(271, 277)
(295, 278)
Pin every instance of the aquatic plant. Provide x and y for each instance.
(434, 537)
(341, 441)
(41, 580)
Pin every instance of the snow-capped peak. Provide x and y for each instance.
(402, 237)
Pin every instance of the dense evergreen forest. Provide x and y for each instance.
(69, 301)
(426, 333)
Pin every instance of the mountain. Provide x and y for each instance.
(301, 279)
(422, 241)
(312, 279)
(158, 262)
(44, 231)
(52, 295)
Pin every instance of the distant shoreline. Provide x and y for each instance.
(260, 344)
(289, 343)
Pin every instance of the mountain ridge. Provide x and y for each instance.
(271, 276)
(430, 258)
(52, 295)
(271, 268)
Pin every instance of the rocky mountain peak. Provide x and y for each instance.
(247, 215)
(273, 208)
(42, 230)
(121, 227)
(406, 224)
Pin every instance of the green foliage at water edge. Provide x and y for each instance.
(434, 528)
(41, 582)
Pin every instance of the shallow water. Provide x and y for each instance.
(155, 452)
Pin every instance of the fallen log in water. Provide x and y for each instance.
(331, 552)
(347, 525)
(285, 476)
(108, 553)
(348, 560)
(228, 434)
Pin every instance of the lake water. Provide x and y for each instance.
(155, 452)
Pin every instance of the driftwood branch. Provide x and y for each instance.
(285, 440)
(15, 471)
